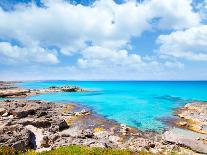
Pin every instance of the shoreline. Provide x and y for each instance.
(122, 136)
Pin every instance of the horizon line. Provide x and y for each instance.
(103, 80)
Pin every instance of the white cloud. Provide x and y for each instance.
(202, 9)
(190, 44)
(97, 56)
(15, 54)
(108, 28)
(105, 23)
(175, 64)
(174, 14)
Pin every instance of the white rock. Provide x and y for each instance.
(114, 139)
(5, 114)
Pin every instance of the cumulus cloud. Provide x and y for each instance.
(190, 44)
(96, 56)
(174, 14)
(14, 54)
(99, 35)
(105, 23)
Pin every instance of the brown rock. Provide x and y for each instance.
(2, 111)
(19, 146)
(45, 141)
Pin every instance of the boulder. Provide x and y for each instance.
(62, 124)
(87, 133)
(2, 111)
(45, 142)
(37, 122)
(74, 132)
(16, 136)
(5, 114)
(19, 145)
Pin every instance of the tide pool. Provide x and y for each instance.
(136, 103)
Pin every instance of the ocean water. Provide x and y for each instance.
(141, 104)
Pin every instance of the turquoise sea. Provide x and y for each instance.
(142, 104)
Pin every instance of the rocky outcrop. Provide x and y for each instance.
(66, 89)
(190, 139)
(193, 116)
(16, 136)
(14, 92)
(41, 125)
(9, 90)
(192, 131)
(17, 115)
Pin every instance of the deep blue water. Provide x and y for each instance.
(135, 103)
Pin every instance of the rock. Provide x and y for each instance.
(54, 137)
(45, 141)
(19, 146)
(74, 132)
(183, 123)
(62, 124)
(16, 136)
(114, 139)
(22, 114)
(41, 113)
(99, 144)
(39, 125)
(193, 116)
(85, 112)
(5, 114)
(78, 114)
(87, 133)
(124, 129)
(102, 134)
(37, 122)
(186, 138)
(2, 111)
(14, 92)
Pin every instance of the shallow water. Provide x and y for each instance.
(135, 103)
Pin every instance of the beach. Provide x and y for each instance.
(43, 125)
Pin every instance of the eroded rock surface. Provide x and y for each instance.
(193, 117)
(192, 131)
(190, 139)
(9, 90)
(43, 125)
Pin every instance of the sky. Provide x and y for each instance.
(103, 40)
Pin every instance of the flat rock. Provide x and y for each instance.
(186, 138)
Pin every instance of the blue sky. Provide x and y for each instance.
(103, 40)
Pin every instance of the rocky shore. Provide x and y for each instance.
(8, 90)
(192, 131)
(41, 125)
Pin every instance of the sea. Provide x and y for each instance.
(141, 104)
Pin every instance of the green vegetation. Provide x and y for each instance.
(81, 150)
(4, 150)
(69, 150)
